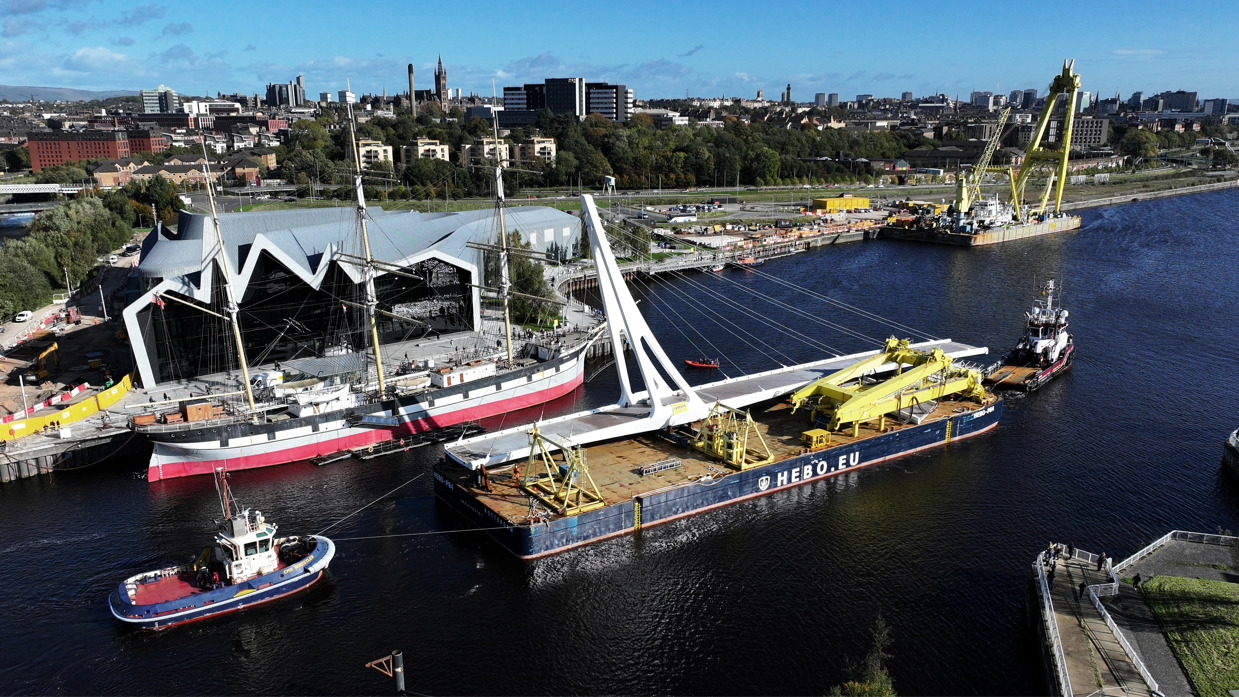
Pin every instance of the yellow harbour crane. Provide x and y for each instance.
(1066, 83)
(969, 186)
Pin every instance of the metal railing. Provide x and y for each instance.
(1051, 628)
(1114, 629)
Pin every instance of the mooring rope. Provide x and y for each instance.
(359, 510)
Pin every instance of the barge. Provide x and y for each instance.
(564, 496)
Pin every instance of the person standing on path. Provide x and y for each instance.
(1101, 560)
(1135, 581)
(1083, 590)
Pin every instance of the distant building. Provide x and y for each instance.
(347, 97)
(537, 149)
(1179, 100)
(1084, 102)
(1216, 107)
(287, 95)
(819, 100)
(612, 101)
(832, 100)
(1030, 99)
(1136, 100)
(487, 150)
(161, 100)
(862, 98)
(54, 148)
(906, 97)
(325, 97)
(664, 118)
(441, 92)
(985, 100)
(566, 95)
(425, 149)
(372, 152)
(1088, 132)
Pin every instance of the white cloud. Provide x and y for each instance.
(94, 59)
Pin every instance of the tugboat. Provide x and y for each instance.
(1045, 350)
(247, 565)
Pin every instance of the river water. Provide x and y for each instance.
(774, 596)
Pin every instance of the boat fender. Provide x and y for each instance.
(370, 449)
(402, 441)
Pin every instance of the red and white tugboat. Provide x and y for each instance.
(247, 565)
(1045, 350)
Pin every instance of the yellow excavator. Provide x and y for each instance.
(848, 397)
(40, 372)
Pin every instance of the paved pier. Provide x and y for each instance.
(1095, 661)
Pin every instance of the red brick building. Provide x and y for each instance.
(52, 148)
(146, 140)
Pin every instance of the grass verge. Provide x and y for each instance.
(1201, 621)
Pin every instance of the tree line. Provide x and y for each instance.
(637, 153)
(64, 243)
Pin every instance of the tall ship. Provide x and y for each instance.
(1045, 350)
(972, 220)
(673, 450)
(329, 398)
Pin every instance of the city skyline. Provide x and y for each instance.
(660, 50)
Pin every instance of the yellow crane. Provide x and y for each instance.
(969, 187)
(1066, 83)
(844, 397)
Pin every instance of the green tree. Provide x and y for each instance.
(63, 174)
(873, 680)
(528, 283)
(1224, 159)
(1138, 142)
(308, 135)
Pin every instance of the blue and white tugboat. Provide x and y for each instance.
(247, 565)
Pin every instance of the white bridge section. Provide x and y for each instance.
(7, 189)
(606, 423)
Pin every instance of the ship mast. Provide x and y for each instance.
(233, 309)
(505, 283)
(371, 297)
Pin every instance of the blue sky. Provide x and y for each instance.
(659, 49)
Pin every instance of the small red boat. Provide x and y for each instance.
(701, 362)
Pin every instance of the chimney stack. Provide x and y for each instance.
(412, 94)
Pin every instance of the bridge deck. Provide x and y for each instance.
(588, 427)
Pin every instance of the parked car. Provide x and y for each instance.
(24, 316)
(113, 259)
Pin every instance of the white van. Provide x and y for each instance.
(113, 259)
(24, 316)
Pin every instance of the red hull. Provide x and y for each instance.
(356, 439)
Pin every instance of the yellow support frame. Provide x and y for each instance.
(560, 485)
(724, 435)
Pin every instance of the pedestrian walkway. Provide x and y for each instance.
(1095, 660)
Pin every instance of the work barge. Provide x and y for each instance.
(673, 451)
